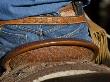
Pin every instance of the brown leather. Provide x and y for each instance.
(56, 50)
(46, 20)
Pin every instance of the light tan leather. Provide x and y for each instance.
(68, 10)
(99, 37)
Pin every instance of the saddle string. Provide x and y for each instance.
(99, 37)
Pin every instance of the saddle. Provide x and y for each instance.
(58, 59)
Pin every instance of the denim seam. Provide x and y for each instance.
(25, 29)
(69, 34)
(53, 29)
(9, 33)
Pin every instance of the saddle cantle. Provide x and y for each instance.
(56, 50)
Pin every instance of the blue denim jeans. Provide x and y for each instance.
(16, 9)
(12, 36)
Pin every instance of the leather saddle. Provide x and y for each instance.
(55, 59)
(40, 51)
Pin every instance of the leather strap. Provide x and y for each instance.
(46, 20)
(67, 17)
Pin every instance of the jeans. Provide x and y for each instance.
(12, 36)
(16, 9)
